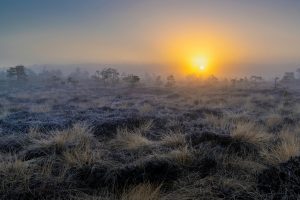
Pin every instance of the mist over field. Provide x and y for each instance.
(149, 100)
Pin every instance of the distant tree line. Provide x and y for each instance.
(107, 77)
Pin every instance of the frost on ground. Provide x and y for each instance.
(90, 142)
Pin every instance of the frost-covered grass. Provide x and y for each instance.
(88, 142)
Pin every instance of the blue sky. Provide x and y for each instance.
(131, 31)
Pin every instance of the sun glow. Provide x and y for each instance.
(200, 53)
(200, 63)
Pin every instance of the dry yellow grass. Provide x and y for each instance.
(182, 155)
(81, 156)
(273, 120)
(79, 135)
(250, 133)
(173, 139)
(126, 139)
(144, 191)
(217, 122)
(16, 173)
(288, 147)
(144, 127)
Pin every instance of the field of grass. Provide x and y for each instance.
(149, 143)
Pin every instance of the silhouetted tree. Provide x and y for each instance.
(288, 77)
(107, 76)
(212, 79)
(132, 80)
(276, 82)
(72, 81)
(170, 81)
(18, 71)
(79, 74)
(110, 75)
(52, 76)
(158, 81)
(233, 82)
(256, 78)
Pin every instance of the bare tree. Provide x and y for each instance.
(18, 71)
(132, 80)
(158, 81)
(108, 76)
(288, 77)
(256, 78)
(73, 81)
(212, 79)
(233, 82)
(276, 82)
(170, 81)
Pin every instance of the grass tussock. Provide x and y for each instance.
(126, 139)
(288, 146)
(273, 120)
(173, 139)
(182, 156)
(250, 133)
(217, 122)
(15, 175)
(79, 135)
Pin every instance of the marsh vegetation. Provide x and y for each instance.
(113, 137)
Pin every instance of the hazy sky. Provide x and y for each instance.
(234, 36)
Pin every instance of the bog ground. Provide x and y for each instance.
(85, 141)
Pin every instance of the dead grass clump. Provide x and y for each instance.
(132, 139)
(247, 140)
(81, 156)
(14, 177)
(79, 135)
(287, 147)
(249, 133)
(183, 156)
(57, 142)
(273, 120)
(240, 117)
(144, 191)
(214, 121)
(145, 126)
(173, 139)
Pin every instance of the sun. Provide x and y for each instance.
(199, 63)
(202, 67)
